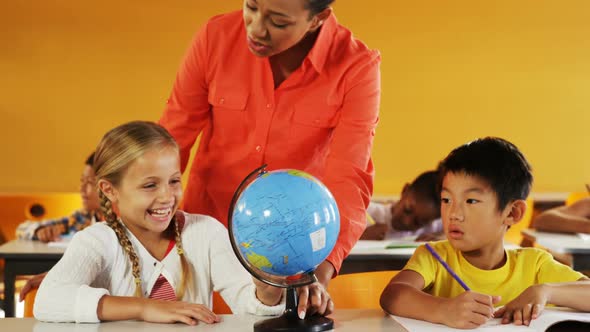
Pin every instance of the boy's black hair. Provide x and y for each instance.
(426, 185)
(90, 160)
(496, 161)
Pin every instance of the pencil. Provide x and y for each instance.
(447, 267)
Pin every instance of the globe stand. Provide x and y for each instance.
(289, 320)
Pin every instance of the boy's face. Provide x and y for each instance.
(469, 210)
(412, 211)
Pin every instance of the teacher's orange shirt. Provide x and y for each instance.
(321, 119)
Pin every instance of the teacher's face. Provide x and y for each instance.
(273, 26)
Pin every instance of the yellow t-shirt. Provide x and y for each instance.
(524, 267)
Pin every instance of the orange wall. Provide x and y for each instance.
(451, 71)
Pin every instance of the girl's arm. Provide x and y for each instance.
(234, 283)
(65, 294)
(155, 311)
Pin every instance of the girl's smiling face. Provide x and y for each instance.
(150, 191)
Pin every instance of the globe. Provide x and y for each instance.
(282, 225)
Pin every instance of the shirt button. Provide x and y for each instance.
(316, 121)
(268, 105)
(155, 263)
(258, 148)
(221, 100)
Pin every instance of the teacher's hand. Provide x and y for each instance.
(315, 298)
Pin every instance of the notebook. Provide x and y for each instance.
(549, 317)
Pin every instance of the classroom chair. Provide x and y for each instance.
(359, 290)
(29, 303)
(576, 196)
(219, 305)
(514, 235)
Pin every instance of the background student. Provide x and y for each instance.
(53, 229)
(573, 218)
(478, 205)
(416, 214)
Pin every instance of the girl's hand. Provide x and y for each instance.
(469, 310)
(267, 294)
(526, 307)
(158, 311)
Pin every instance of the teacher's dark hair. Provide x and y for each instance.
(317, 6)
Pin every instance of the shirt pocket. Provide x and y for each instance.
(314, 115)
(311, 129)
(228, 117)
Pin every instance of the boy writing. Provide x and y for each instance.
(484, 186)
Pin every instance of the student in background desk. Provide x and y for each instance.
(51, 230)
(148, 260)
(417, 213)
(484, 187)
(574, 218)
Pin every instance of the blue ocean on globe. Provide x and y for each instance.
(285, 222)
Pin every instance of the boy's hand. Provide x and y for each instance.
(526, 307)
(158, 311)
(469, 310)
(49, 233)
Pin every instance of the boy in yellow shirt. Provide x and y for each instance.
(484, 187)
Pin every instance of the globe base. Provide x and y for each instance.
(284, 323)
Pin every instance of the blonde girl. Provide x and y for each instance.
(148, 261)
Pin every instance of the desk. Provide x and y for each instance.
(33, 257)
(346, 320)
(563, 243)
(24, 258)
(369, 256)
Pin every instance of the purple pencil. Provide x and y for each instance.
(447, 267)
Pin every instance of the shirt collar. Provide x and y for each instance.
(319, 52)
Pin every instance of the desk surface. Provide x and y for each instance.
(367, 320)
(559, 242)
(22, 248)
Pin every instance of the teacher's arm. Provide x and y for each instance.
(349, 169)
(187, 110)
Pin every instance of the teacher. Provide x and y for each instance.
(282, 83)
